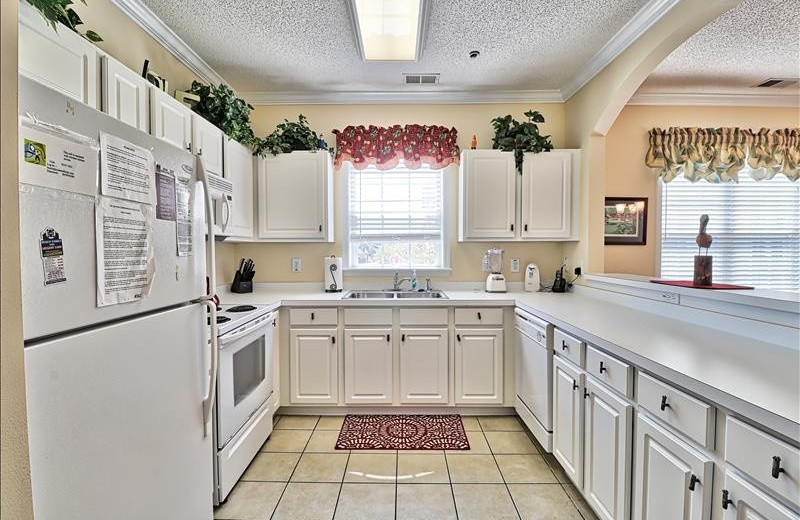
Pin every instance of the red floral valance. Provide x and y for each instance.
(436, 146)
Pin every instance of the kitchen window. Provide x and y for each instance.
(396, 219)
(755, 228)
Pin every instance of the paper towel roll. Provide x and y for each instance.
(333, 274)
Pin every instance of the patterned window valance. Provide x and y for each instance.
(384, 147)
(719, 154)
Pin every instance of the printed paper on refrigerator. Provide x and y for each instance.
(127, 171)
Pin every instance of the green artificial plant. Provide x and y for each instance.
(220, 106)
(59, 11)
(290, 136)
(512, 136)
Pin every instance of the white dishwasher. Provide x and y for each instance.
(534, 402)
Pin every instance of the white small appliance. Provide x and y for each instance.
(493, 262)
(532, 278)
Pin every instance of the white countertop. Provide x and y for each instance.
(756, 377)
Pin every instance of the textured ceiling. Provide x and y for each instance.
(309, 46)
(757, 40)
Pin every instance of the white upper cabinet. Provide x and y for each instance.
(170, 120)
(207, 142)
(479, 366)
(672, 480)
(487, 189)
(239, 165)
(295, 197)
(125, 94)
(497, 204)
(61, 60)
(547, 195)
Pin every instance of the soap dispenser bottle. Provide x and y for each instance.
(414, 280)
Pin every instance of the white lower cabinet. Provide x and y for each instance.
(672, 479)
(423, 366)
(368, 366)
(314, 366)
(741, 500)
(568, 418)
(607, 451)
(479, 366)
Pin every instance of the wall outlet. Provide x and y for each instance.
(296, 265)
(515, 265)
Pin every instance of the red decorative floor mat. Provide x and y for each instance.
(402, 432)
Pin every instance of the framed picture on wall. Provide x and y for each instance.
(626, 221)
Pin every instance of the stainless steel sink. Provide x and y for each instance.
(385, 295)
(423, 295)
(368, 294)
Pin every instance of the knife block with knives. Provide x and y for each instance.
(243, 278)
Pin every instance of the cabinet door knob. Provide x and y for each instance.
(479, 316)
(664, 404)
(603, 368)
(564, 345)
(574, 385)
(403, 337)
(585, 393)
(725, 500)
(458, 337)
(274, 324)
(333, 340)
(312, 316)
(320, 228)
(512, 227)
(693, 481)
(388, 337)
(525, 227)
(776, 467)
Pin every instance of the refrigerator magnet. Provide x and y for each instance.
(51, 249)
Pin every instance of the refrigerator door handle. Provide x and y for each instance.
(211, 263)
(227, 213)
(208, 402)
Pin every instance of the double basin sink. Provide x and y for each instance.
(389, 294)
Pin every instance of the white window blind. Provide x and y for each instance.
(755, 228)
(395, 218)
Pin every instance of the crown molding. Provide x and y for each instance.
(645, 18)
(155, 27)
(722, 100)
(402, 97)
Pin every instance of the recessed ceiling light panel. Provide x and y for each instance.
(389, 30)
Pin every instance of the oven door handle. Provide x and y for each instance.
(251, 327)
(208, 402)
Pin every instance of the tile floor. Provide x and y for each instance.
(298, 475)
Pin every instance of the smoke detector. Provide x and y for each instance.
(421, 79)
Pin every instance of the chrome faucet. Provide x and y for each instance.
(399, 281)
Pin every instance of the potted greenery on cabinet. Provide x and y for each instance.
(512, 136)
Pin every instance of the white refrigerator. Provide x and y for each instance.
(118, 396)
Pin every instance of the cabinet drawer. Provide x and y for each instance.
(313, 316)
(610, 370)
(568, 346)
(683, 412)
(766, 459)
(479, 316)
(368, 316)
(436, 316)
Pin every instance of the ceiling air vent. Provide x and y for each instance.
(777, 82)
(421, 79)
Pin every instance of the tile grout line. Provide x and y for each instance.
(502, 477)
(396, 479)
(341, 484)
(450, 481)
(293, 470)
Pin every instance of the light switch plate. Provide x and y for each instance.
(515, 265)
(296, 265)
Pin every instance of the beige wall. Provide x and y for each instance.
(273, 261)
(627, 176)
(15, 483)
(130, 44)
(594, 108)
